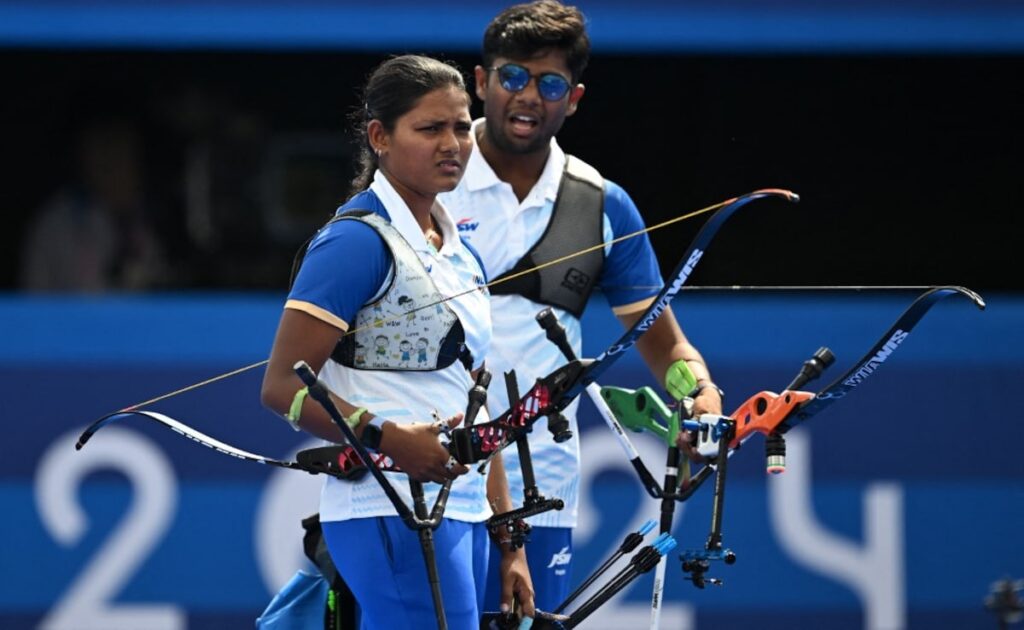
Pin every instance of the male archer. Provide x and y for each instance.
(525, 202)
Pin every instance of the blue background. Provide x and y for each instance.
(990, 26)
(938, 423)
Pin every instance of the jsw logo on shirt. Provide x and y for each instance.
(467, 225)
(561, 558)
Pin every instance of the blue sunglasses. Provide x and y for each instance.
(514, 78)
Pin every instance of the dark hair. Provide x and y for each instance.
(524, 30)
(392, 90)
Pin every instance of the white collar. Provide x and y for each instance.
(403, 221)
(480, 175)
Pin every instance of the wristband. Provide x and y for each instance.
(371, 435)
(373, 432)
(679, 380)
(353, 419)
(295, 411)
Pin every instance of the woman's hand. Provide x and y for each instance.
(417, 451)
(516, 584)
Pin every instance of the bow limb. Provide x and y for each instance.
(677, 279)
(181, 429)
(767, 412)
(774, 414)
(338, 460)
(792, 407)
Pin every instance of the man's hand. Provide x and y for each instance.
(516, 585)
(708, 400)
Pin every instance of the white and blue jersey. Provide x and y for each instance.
(503, 230)
(348, 266)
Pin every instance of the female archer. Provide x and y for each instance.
(392, 241)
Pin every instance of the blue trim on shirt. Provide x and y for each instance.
(346, 263)
(476, 254)
(631, 272)
(366, 200)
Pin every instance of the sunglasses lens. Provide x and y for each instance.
(552, 87)
(513, 78)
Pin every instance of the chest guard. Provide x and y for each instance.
(576, 224)
(410, 327)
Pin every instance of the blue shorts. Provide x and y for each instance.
(382, 562)
(549, 554)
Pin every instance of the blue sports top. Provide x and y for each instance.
(346, 266)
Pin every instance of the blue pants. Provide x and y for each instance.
(382, 562)
(549, 553)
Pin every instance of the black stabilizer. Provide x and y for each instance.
(813, 368)
(558, 425)
(555, 332)
(775, 452)
(477, 397)
(461, 446)
(775, 444)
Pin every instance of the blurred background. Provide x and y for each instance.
(164, 160)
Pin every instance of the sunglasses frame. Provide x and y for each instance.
(536, 77)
